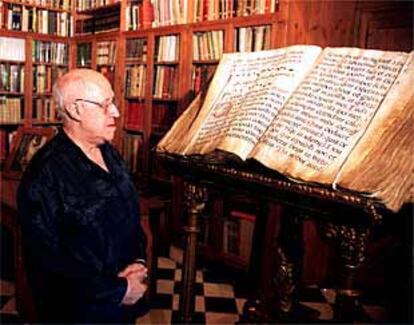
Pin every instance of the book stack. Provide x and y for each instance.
(135, 81)
(12, 77)
(250, 39)
(208, 45)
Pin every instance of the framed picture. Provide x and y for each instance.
(26, 143)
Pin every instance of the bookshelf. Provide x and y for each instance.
(84, 55)
(166, 52)
(34, 51)
(12, 85)
(49, 62)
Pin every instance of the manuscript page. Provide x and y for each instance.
(382, 162)
(256, 86)
(319, 126)
(177, 137)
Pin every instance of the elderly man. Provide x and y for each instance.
(85, 248)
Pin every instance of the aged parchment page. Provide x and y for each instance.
(177, 137)
(245, 95)
(316, 130)
(382, 163)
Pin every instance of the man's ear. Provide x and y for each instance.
(72, 110)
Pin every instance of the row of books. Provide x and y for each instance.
(208, 45)
(134, 116)
(165, 82)
(250, 39)
(91, 4)
(33, 19)
(156, 13)
(105, 52)
(139, 15)
(131, 151)
(52, 4)
(84, 54)
(167, 48)
(11, 109)
(136, 49)
(223, 9)
(44, 76)
(44, 110)
(135, 81)
(12, 49)
(12, 77)
(50, 52)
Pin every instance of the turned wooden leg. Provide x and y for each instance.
(289, 253)
(350, 243)
(195, 200)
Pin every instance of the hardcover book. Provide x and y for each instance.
(342, 117)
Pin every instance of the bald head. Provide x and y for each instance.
(77, 83)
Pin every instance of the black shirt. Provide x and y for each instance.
(81, 226)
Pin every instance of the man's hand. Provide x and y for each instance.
(135, 274)
(134, 268)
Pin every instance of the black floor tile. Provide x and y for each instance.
(161, 301)
(220, 305)
(165, 274)
(198, 288)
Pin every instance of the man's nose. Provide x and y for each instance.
(113, 111)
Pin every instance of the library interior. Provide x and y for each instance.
(314, 226)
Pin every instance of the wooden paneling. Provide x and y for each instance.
(323, 23)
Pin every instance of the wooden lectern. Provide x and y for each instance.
(343, 217)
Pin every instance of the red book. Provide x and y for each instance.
(147, 14)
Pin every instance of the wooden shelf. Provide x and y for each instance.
(45, 94)
(12, 62)
(135, 98)
(37, 122)
(64, 65)
(33, 35)
(163, 99)
(166, 62)
(131, 62)
(11, 93)
(202, 62)
(5, 123)
(130, 128)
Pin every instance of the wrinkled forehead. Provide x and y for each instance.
(94, 86)
(87, 85)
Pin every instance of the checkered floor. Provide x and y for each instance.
(219, 299)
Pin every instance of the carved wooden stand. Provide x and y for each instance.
(322, 204)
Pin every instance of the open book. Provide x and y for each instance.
(340, 116)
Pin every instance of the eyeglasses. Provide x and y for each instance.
(107, 107)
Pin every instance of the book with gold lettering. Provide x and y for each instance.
(337, 116)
